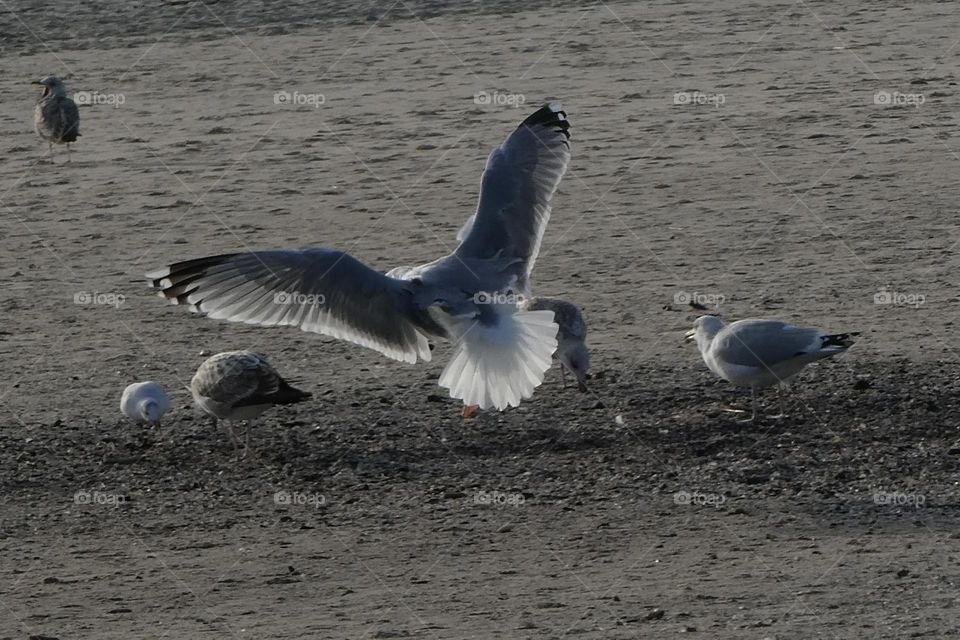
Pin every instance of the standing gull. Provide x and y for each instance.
(502, 352)
(761, 353)
(239, 386)
(56, 117)
(572, 350)
(144, 403)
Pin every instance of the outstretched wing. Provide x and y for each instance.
(319, 290)
(519, 181)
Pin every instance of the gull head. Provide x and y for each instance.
(577, 361)
(151, 411)
(704, 329)
(52, 86)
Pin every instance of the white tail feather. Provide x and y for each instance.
(497, 366)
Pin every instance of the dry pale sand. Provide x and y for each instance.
(788, 193)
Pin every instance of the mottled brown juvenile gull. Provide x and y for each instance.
(572, 349)
(239, 386)
(760, 353)
(501, 353)
(56, 117)
(144, 403)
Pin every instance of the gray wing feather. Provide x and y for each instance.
(518, 183)
(759, 343)
(566, 314)
(316, 289)
(58, 119)
(70, 119)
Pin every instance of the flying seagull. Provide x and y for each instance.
(56, 118)
(239, 386)
(501, 353)
(760, 353)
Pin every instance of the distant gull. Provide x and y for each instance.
(144, 403)
(502, 352)
(572, 350)
(56, 117)
(238, 386)
(761, 353)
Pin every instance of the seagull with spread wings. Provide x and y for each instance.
(501, 351)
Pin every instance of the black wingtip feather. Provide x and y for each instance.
(840, 339)
(181, 275)
(285, 394)
(549, 115)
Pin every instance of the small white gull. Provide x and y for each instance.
(144, 403)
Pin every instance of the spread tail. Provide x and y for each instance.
(497, 366)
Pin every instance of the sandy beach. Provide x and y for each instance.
(783, 160)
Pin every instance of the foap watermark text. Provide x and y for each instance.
(498, 498)
(897, 99)
(899, 499)
(298, 99)
(702, 298)
(497, 297)
(295, 297)
(101, 498)
(698, 499)
(88, 98)
(498, 99)
(896, 298)
(89, 298)
(299, 499)
(699, 98)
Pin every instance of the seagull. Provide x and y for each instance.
(760, 353)
(572, 350)
(144, 403)
(239, 386)
(56, 118)
(501, 352)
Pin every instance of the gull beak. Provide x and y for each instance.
(690, 336)
(35, 82)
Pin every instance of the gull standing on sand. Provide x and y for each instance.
(144, 403)
(240, 386)
(56, 118)
(502, 352)
(572, 350)
(761, 353)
